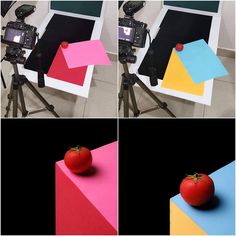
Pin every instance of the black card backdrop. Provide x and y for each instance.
(176, 27)
(155, 155)
(30, 149)
(60, 28)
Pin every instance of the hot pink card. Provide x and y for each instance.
(85, 53)
(59, 70)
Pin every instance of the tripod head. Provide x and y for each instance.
(15, 55)
(126, 53)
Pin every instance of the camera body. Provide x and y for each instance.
(132, 31)
(20, 34)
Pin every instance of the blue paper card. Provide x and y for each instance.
(219, 220)
(201, 62)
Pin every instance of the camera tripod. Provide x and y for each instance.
(126, 90)
(16, 89)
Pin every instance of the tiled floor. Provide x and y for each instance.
(223, 99)
(101, 102)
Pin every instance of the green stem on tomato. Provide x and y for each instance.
(196, 177)
(77, 148)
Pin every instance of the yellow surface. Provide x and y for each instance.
(178, 78)
(181, 224)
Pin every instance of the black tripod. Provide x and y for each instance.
(126, 90)
(16, 89)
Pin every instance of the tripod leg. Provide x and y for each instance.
(3, 81)
(40, 97)
(126, 101)
(161, 104)
(15, 101)
(120, 96)
(10, 97)
(22, 101)
(133, 100)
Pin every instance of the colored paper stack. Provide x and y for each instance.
(188, 69)
(70, 64)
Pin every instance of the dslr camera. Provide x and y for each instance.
(19, 34)
(132, 31)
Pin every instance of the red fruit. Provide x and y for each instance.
(64, 44)
(179, 47)
(197, 189)
(78, 159)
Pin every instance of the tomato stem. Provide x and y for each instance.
(196, 177)
(77, 148)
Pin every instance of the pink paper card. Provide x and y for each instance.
(85, 53)
(59, 70)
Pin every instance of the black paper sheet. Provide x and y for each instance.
(60, 28)
(176, 27)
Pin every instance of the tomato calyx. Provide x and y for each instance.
(196, 177)
(77, 148)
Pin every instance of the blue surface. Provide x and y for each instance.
(221, 219)
(201, 62)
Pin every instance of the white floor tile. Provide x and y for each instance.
(106, 73)
(229, 64)
(78, 110)
(102, 100)
(179, 107)
(223, 100)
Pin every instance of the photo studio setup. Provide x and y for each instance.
(60, 53)
(176, 56)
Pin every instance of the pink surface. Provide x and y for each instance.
(101, 187)
(85, 53)
(59, 70)
(75, 214)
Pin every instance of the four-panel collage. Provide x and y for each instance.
(117, 117)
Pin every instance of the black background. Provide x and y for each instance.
(155, 155)
(30, 149)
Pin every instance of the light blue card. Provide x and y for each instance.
(201, 62)
(219, 220)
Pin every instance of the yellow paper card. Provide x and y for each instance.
(178, 78)
(182, 224)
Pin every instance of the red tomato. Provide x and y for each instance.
(197, 189)
(78, 159)
(64, 44)
(179, 47)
